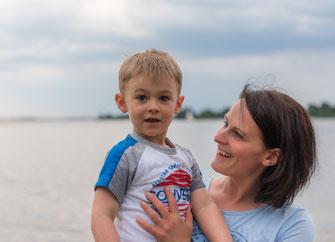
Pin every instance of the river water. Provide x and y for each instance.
(48, 171)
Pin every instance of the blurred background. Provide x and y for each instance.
(59, 63)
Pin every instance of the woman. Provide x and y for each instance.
(267, 154)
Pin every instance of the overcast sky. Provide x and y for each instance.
(61, 58)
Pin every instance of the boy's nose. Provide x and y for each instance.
(153, 107)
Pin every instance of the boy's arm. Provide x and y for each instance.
(104, 209)
(209, 217)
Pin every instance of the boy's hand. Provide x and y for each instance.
(170, 226)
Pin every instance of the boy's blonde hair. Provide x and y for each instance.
(151, 63)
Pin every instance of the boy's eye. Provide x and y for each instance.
(164, 98)
(141, 98)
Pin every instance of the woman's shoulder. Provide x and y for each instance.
(294, 214)
(296, 224)
(289, 212)
(266, 223)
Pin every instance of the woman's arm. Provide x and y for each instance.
(104, 211)
(170, 227)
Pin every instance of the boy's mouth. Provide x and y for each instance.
(152, 120)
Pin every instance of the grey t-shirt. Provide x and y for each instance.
(135, 166)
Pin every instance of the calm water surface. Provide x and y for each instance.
(48, 171)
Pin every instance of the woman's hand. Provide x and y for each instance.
(169, 227)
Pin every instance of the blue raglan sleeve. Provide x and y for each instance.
(117, 171)
(299, 227)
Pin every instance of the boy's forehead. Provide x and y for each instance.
(155, 80)
(139, 80)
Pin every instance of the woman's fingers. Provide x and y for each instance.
(148, 227)
(149, 211)
(161, 208)
(173, 206)
(189, 217)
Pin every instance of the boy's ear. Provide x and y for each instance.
(272, 157)
(179, 104)
(120, 102)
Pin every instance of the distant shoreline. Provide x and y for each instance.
(17, 120)
(323, 111)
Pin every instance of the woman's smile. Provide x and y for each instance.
(224, 154)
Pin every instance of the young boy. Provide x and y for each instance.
(150, 85)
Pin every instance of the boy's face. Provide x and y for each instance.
(150, 105)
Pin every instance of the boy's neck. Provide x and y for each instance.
(161, 141)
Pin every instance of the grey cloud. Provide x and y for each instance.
(68, 37)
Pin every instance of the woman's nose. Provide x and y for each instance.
(220, 136)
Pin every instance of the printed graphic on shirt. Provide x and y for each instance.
(179, 179)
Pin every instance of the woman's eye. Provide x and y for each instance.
(238, 135)
(141, 98)
(164, 98)
(225, 122)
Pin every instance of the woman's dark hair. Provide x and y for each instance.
(286, 125)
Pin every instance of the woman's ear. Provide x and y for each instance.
(120, 102)
(272, 158)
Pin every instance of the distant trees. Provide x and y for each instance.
(111, 116)
(207, 113)
(182, 114)
(324, 110)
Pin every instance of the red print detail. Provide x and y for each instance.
(179, 178)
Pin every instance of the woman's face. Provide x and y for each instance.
(241, 151)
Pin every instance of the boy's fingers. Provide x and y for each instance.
(171, 200)
(158, 205)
